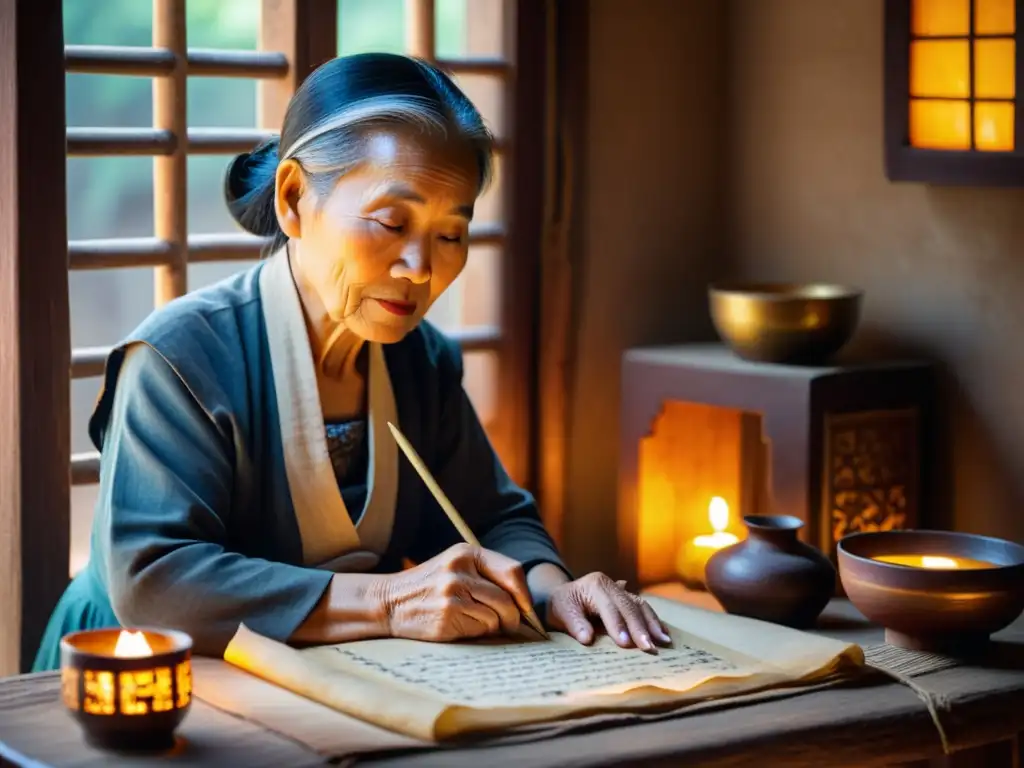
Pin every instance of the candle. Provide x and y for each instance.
(127, 688)
(693, 559)
(131, 645)
(936, 562)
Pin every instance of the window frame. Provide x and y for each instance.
(35, 418)
(904, 162)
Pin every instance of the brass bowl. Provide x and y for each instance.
(785, 322)
(945, 609)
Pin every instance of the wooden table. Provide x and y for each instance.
(883, 724)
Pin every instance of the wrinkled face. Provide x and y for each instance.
(389, 238)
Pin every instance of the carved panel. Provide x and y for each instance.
(871, 473)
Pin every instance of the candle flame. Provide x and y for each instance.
(718, 514)
(934, 561)
(132, 645)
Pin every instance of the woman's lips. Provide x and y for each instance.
(403, 308)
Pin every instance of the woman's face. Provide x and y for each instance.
(393, 234)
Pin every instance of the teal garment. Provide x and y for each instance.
(194, 526)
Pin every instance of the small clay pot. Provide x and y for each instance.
(771, 575)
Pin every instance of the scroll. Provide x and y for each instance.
(437, 691)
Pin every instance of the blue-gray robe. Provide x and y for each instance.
(218, 502)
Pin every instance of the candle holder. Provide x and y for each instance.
(128, 689)
(934, 591)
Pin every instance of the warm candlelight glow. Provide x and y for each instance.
(132, 645)
(935, 562)
(696, 553)
(718, 515)
(932, 561)
(962, 89)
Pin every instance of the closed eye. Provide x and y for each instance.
(447, 239)
(395, 228)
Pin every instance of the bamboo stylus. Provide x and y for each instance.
(453, 515)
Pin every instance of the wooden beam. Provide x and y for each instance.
(225, 141)
(486, 66)
(158, 142)
(526, 29)
(421, 29)
(85, 468)
(118, 253)
(204, 62)
(101, 142)
(157, 62)
(35, 433)
(306, 32)
(87, 362)
(170, 172)
(234, 246)
(564, 94)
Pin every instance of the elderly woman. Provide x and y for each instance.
(247, 473)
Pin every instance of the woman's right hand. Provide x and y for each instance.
(463, 592)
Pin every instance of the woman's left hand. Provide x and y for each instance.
(627, 619)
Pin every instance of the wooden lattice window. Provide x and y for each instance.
(108, 306)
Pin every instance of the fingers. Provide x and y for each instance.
(568, 615)
(628, 620)
(611, 617)
(468, 618)
(658, 629)
(507, 574)
(492, 580)
(497, 600)
(634, 619)
(462, 615)
(650, 618)
(596, 597)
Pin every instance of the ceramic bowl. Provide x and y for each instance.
(938, 608)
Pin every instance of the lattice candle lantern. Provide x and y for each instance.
(129, 689)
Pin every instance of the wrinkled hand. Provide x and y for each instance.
(627, 619)
(461, 593)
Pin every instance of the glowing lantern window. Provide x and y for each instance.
(951, 71)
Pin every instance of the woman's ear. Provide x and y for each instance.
(288, 189)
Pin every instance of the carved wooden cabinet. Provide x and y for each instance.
(845, 447)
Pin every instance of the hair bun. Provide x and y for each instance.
(249, 188)
(249, 170)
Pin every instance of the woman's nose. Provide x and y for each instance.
(414, 265)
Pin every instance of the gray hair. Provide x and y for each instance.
(328, 121)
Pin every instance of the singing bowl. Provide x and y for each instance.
(939, 610)
(785, 322)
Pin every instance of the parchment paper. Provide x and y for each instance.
(434, 692)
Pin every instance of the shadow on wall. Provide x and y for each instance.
(970, 329)
(981, 344)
